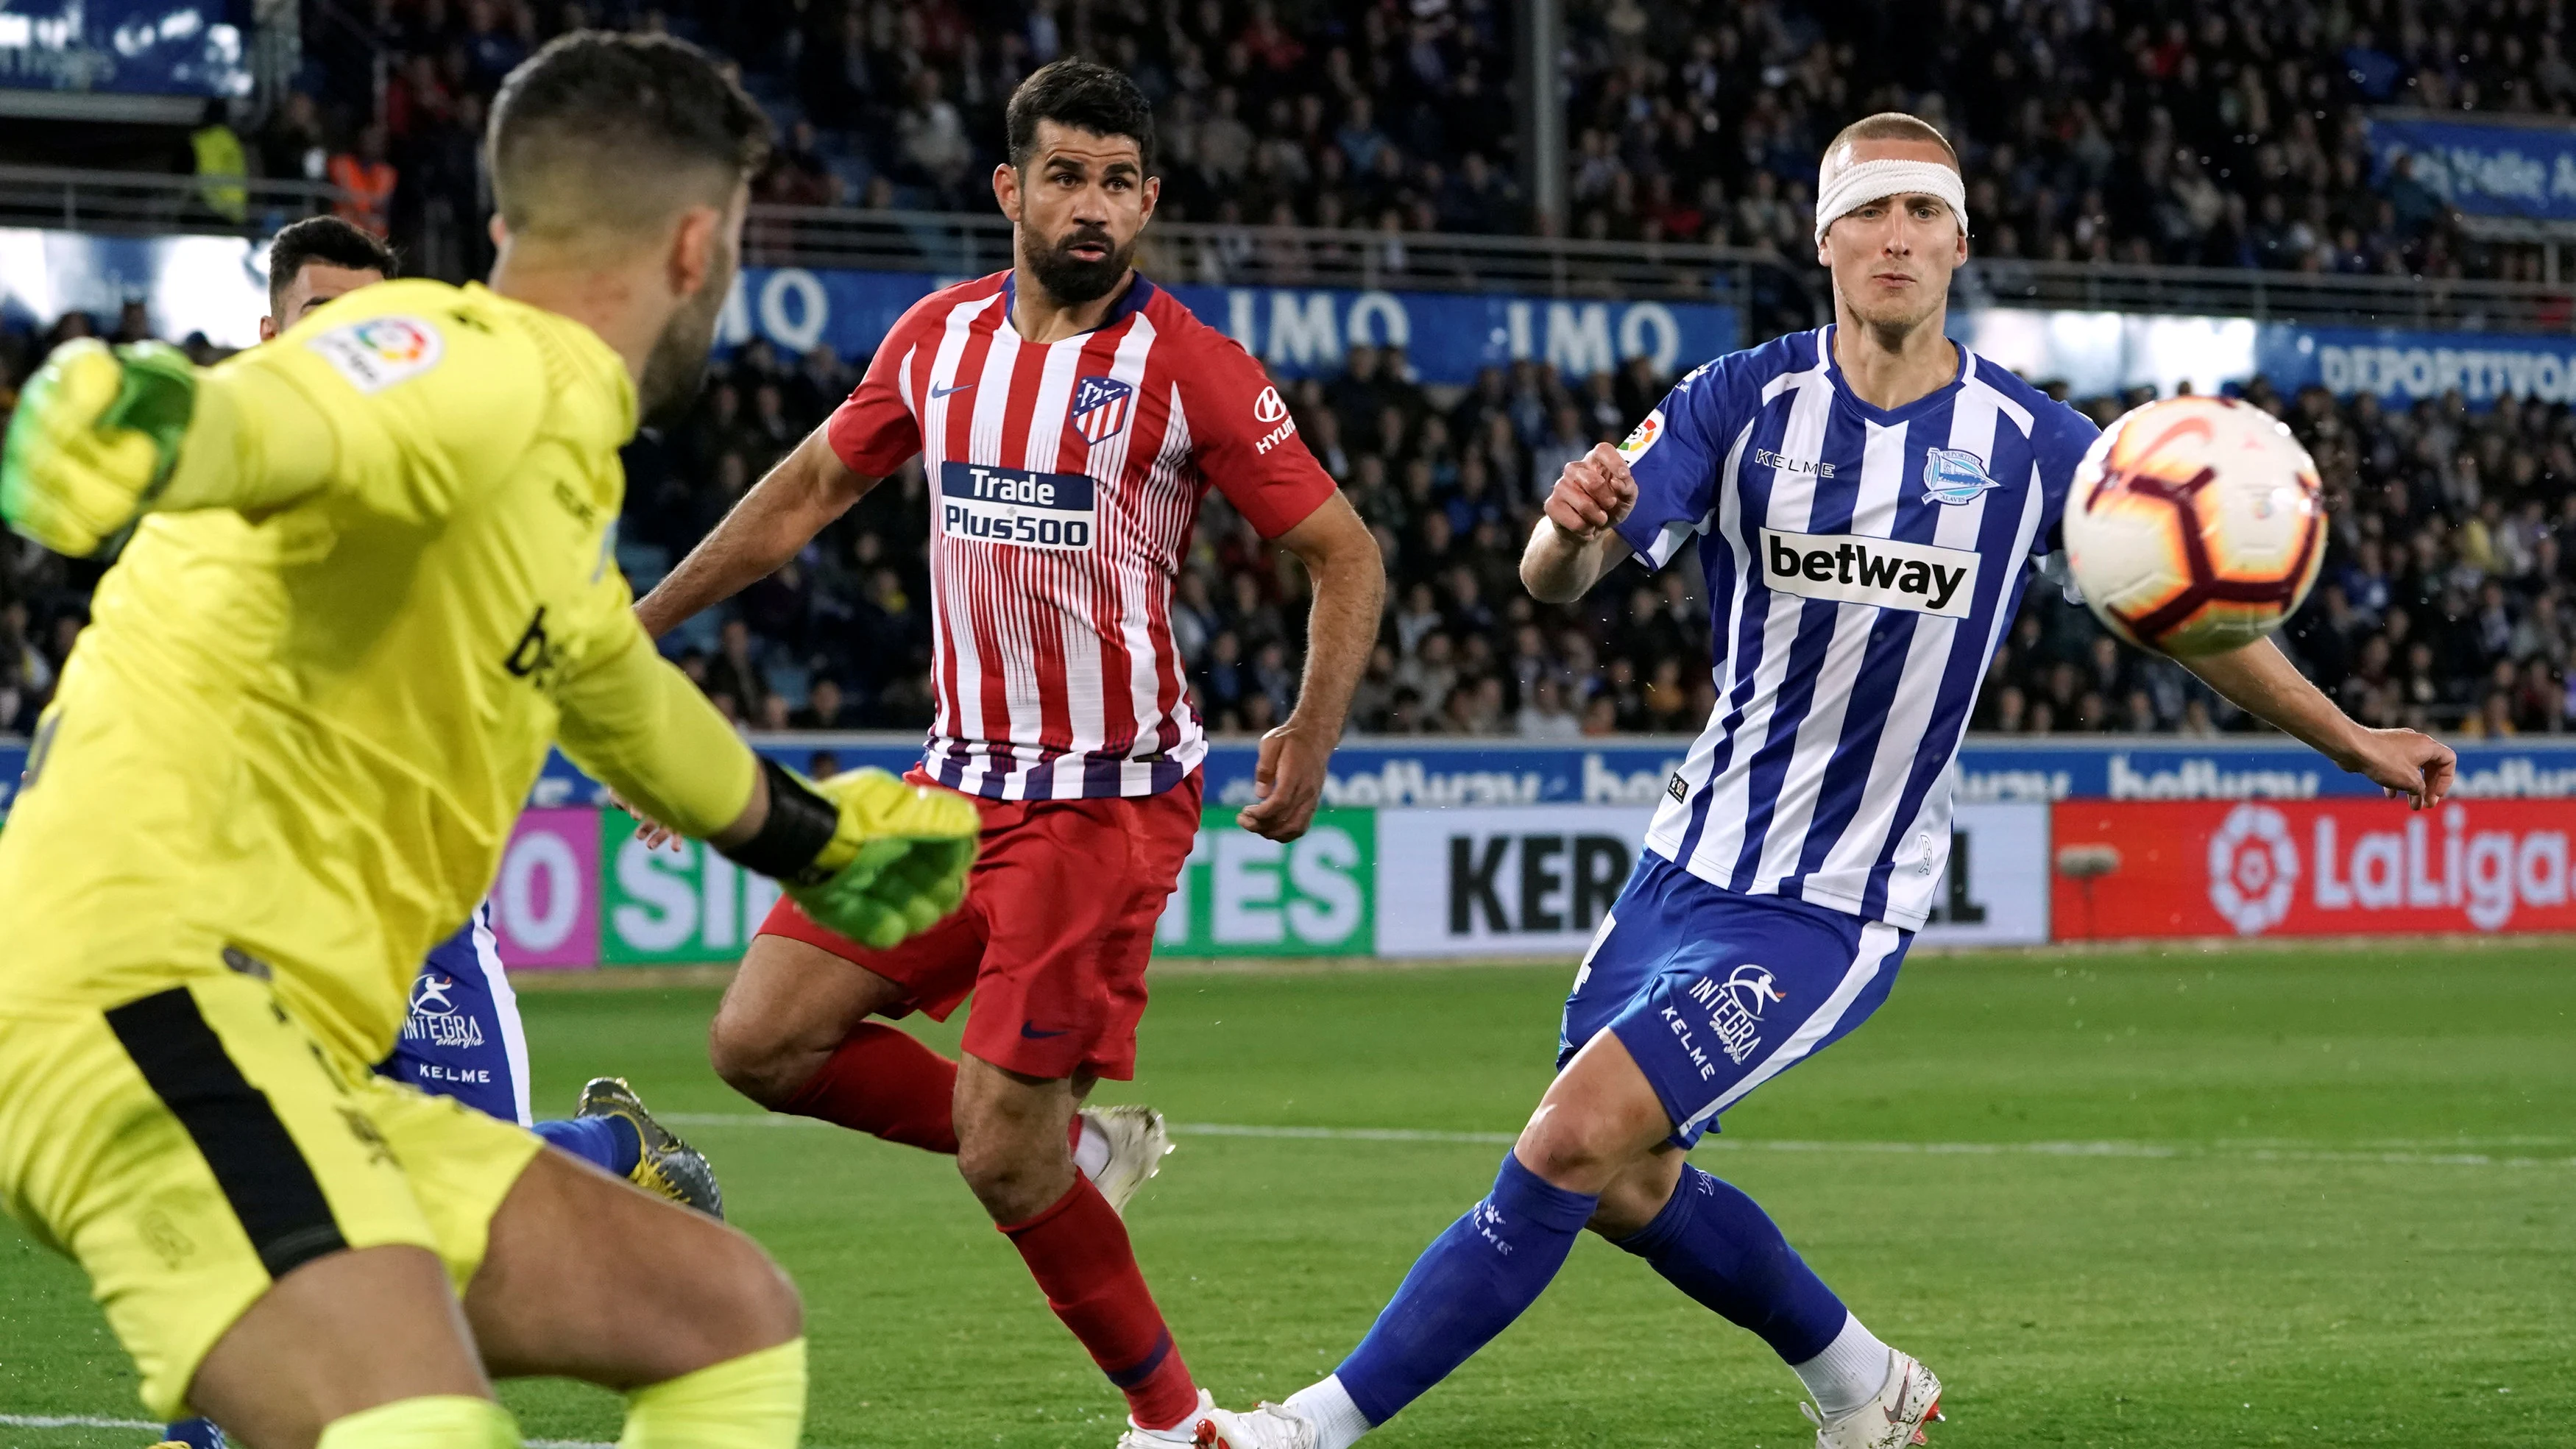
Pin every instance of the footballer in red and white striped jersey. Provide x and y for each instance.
(1065, 480)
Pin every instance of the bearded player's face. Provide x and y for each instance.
(677, 366)
(1892, 257)
(1081, 202)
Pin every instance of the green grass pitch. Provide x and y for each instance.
(2262, 1197)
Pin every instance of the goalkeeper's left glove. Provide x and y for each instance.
(866, 855)
(95, 438)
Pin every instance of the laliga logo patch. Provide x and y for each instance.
(380, 351)
(1643, 437)
(1101, 408)
(2253, 869)
(1954, 476)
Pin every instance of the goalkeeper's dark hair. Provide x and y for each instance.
(606, 132)
(325, 239)
(1084, 95)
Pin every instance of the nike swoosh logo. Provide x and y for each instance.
(1030, 1030)
(937, 392)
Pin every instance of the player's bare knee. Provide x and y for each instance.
(1571, 1149)
(1010, 1182)
(749, 1054)
(745, 1300)
(774, 1310)
(1636, 1197)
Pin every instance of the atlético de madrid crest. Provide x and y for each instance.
(1102, 406)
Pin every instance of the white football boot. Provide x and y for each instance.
(1267, 1427)
(1138, 1141)
(1910, 1399)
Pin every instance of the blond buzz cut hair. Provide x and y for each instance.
(1895, 126)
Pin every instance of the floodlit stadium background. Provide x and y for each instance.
(2355, 215)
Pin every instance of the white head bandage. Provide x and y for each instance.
(1858, 185)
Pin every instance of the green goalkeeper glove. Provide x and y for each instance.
(896, 861)
(95, 437)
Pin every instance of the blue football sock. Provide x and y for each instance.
(195, 1433)
(1466, 1287)
(1719, 1246)
(611, 1142)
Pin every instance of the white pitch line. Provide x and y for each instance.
(92, 1421)
(2145, 1151)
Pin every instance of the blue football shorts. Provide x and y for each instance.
(1714, 993)
(462, 1038)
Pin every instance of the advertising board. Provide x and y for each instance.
(1297, 331)
(576, 888)
(2481, 168)
(1633, 770)
(2311, 868)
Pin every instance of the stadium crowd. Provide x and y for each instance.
(2182, 131)
(2447, 600)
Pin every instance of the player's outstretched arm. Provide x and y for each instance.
(1575, 544)
(865, 854)
(808, 489)
(2262, 681)
(103, 435)
(1341, 555)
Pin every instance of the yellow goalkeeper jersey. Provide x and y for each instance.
(295, 735)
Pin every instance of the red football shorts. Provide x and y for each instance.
(1054, 935)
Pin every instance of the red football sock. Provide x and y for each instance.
(1078, 1252)
(885, 1083)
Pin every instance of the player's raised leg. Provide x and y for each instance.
(350, 1352)
(586, 1278)
(1598, 1121)
(1014, 1157)
(1675, 1022)
(801, 1030)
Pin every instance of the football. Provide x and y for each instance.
(2195, 525)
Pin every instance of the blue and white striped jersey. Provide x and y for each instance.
(1862, 565)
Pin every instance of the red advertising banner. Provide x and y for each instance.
(2309, 868)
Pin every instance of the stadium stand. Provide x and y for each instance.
(2177, 133)
(2172, 133)
(2448, 596)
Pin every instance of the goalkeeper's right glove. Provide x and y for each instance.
(866, 855)
(95, 438)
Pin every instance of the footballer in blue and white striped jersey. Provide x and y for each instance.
(1869, 500)
(1862, 564)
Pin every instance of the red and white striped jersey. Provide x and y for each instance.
(1065, 481)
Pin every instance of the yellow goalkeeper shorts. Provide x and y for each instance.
(189, 1147)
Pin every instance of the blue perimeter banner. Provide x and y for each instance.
(1298, 331)
(2528, 172)
(127, 47)
(2404, 368)
(1633, 771)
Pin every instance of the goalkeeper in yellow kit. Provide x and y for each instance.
(372, 581)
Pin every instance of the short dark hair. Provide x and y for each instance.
(1894, 126)
(1085, 95)
(605, 131)
(325, 239)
